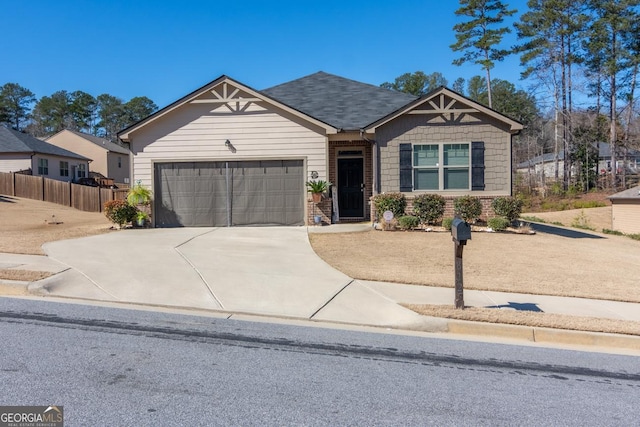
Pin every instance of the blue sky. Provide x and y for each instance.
(166, 49)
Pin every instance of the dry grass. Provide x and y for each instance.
(23, 275)
(542, 320)
(543, 264)
(26, 224)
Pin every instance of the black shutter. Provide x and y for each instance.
(406, 168)
(477, 166)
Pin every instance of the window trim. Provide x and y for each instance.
(441, 167)
(81, 168)
(64, 168)
(43, 166)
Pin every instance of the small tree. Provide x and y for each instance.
(467, 207)
(429, 208)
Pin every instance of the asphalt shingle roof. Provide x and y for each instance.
(631, 193)
(12, 141)
(342, 103)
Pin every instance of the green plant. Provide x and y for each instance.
(468, 207)
(394, 202)
(142, 216)
(139, 195)
(634, 236)
(582, 221)
(587, 204)
(498, 223)
(614, 232)
(407, 222)
(507, 207)
(119, 212)
(319, 186)
(446, 223)
(534, 219)
(429, 208)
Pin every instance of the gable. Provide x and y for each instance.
(446, 107)
(225, 96)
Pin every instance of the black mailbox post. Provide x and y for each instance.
(460, 233)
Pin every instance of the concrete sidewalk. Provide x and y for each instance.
(272, 271)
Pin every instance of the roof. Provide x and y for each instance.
(107, 145)
(343, 103)
(12, 141)
(630, 194)
(206, 89)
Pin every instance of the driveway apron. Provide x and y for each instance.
(262, 270)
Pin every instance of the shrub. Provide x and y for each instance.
(120, 212)
(429, 208)
(139, 195)
(582, 221)
(394, 202)
(446, 223)
(407, 222)
(498, 223)
(507, 207)
(468, 207)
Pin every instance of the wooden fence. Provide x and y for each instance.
(82, 197)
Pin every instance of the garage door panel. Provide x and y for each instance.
(258, 193)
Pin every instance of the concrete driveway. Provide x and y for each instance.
(255, 270)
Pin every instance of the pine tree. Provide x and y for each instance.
(479, 37)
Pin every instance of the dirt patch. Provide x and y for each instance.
(595, 218)
(27, 224)
(541, 320)
(23, 275)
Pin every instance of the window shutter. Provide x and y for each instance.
(477, 166)
(406, 168)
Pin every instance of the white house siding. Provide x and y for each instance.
(414, 129)
(14, 162)
(626, 216)
(54, 166)
(198, 132)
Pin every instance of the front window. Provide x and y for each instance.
(43, 167)
(82, 171)
(64, 168)
(441, 166)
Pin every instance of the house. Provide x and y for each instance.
(109, 160)
(20, 152)
(227, 154)
(544, 165)
(625, 211)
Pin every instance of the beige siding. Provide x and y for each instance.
(54, 166)
(626, 216)
(103, 161)
(414, 129)
(14, 162)
(199, 131)
(118, 165)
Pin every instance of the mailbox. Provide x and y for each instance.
(460, 230)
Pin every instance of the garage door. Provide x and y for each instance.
(220, 194)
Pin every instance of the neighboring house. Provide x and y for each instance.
(109, 160)
(544, 165)
(625, 211)
(20, 152)
(227, 154)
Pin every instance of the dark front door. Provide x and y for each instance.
(351, 187)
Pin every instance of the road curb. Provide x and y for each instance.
(544, 335)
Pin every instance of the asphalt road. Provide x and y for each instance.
(125, 367)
